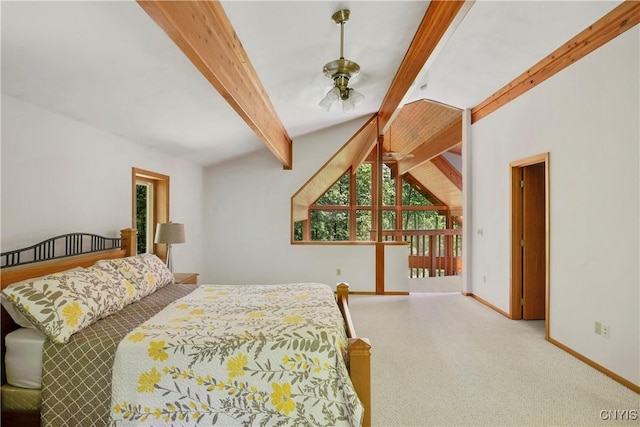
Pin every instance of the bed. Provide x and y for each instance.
(231, 355)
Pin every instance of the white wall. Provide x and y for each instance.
(248, 222)
(587, 117)
(61, 176)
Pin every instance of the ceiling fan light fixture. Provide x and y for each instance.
(341, 71)
(330, 98)
(355, 96)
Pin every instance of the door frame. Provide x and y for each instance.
(516, 224)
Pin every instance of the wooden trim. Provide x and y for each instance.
(359, 350)
(434, 25)
(616, 22)
(203, 32)
(186, 278)
(352, 203)
(448, 169)
(594, 365)
(161, 202)
(373, 293)
(384, 208)
(531, 160)
(332, 170)
(342, 295)
(441, 142)
(439, 232)
(360, 373)
(488, 304)
(569, 350)
(348, 243)
(516, 249)
(380, 268)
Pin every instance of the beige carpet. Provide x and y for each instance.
(445, 359)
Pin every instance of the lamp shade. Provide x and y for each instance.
(170, 233)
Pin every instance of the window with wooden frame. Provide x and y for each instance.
(345, 212)
(150, 206)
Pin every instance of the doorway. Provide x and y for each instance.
(530, 239)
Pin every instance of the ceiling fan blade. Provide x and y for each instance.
(396, 156)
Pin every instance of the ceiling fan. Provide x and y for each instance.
(341, 71)
(394, 156)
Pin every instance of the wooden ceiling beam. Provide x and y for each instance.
(370, 134)
(436, 145)
(457, 149)
(435, 23)
(203, 32)
(616, 22)
(448, 170)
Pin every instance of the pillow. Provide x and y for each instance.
(64, 303)
(163, 275)
(146, 272)
(15, 314)
(19, 318)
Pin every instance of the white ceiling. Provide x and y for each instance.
(107, 64)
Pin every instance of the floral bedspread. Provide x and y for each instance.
(267, 355)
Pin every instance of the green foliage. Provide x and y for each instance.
(363, 225)
(333, 225)
(388, 187)
(297, 231)
(338, 194)
(141, 217)
(412, 197)
(329, 225)
(363, 185)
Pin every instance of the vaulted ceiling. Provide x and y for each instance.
(154, 73)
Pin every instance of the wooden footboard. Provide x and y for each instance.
(359, 355)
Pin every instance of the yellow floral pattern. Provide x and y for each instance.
(72, 314)
(63, 303)
(156, 351)
(251, 355)
(236, 365)
(148, 380)
(281, 398)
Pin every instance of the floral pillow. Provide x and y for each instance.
(125, 291)
(19, 318)
(146, 272)
(62, 304)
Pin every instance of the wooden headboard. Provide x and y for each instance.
(36, 269)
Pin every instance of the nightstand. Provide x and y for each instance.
(186, 278)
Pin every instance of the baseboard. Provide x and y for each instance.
(594, 365)
(373, 293)
(488, 304)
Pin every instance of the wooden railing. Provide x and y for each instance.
(431, 252)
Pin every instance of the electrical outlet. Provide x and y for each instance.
(338, 271)
(605, 331)
(598, 329)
